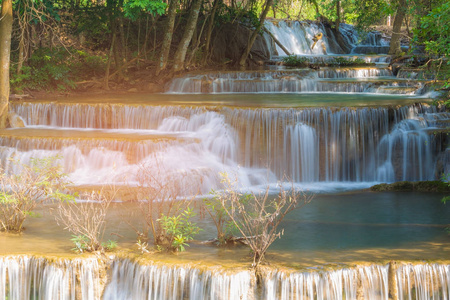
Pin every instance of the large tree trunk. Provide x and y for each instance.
(394, 48)
(6, 22)
(255, 33)
(167, 41)
(180, 54)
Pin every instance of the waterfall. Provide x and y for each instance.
(328, 80)
(196, 143)
(300, 145)
(297, 38)
(422, 281)
(24, 277)
(134, 281)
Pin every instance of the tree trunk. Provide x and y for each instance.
(180, 54)
(108, 64)
(21, 58)
(6, 22)
(394, 48)
(167, 41)
(209, 31)
(338, 15)
(255, 33)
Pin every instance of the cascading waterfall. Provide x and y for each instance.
(423, 281)
(307, 145)
(367, 80)
(297, 38)
(300, 144)
(134, 281)
(23, 277)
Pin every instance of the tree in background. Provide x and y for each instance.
(6, 23)
(395, 47)
(167, 40)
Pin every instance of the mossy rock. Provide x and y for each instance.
(408, 186)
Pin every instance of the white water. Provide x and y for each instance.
(338, 147)
(297, 38)
(327, 80)
(23, 277)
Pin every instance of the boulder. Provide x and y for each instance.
(15, 121)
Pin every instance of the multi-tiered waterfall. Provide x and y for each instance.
(345, 127)
(307, 144)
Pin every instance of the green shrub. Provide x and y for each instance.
(295, 61)
(178, 230)
(347, 62)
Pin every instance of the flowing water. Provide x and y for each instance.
(330, 131)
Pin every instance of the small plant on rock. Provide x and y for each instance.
(178, 230)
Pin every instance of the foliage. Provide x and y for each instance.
(32, 185)
(295, 61)
(370, 12)
(257, 216)
(133, 8)
(56, 69)
(347, 62)
(178, 230)
(434, 31)
(228, 14)
(222, 221)
(87, 221)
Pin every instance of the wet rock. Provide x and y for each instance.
(15, 121)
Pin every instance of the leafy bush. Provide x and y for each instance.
(178, 230)
(295, 61)
(21, 193)
(347, 62)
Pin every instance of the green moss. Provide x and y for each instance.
(417, 186)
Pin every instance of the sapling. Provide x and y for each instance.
(257, 216)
